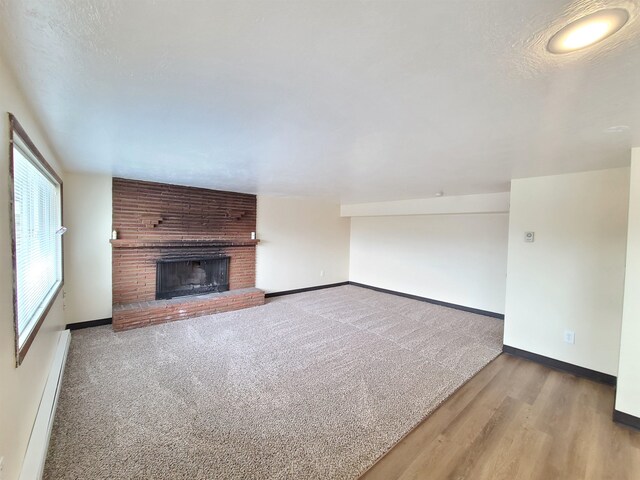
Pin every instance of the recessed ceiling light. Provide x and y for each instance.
(588, 30)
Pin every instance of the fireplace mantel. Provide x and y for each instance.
(151, 243)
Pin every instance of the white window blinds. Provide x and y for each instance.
(37, 210)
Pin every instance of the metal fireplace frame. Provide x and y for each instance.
(165, 295)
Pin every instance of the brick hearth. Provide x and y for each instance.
(157, 221)
(140, 314)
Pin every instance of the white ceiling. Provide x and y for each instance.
(354, 100)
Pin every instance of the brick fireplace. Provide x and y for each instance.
(183, 231)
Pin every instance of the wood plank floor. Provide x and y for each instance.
(518, 420)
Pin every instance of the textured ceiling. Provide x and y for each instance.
(354, 100)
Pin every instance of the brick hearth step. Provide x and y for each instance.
(140, 314)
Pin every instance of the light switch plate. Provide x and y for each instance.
(569, 337)
(529, 237)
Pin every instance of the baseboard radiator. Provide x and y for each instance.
(33, 464)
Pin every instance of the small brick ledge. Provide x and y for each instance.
(141, 314)
(150, 243)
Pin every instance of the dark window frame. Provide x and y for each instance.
(16, 129)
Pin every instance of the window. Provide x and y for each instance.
(36, 200)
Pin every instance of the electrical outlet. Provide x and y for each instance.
(569, 337)
(529, 237)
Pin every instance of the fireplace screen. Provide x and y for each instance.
(175, 278)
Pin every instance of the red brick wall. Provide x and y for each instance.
(145, 210)
(158, 212)
(134, 269)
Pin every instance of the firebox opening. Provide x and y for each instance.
(191, 276)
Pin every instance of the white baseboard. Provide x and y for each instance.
(36, 455)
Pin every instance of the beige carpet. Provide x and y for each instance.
(316, 385)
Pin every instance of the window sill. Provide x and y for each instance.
(21, 352)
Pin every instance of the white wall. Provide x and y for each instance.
(455, 204)
(571, 277)
(303, 243)
(87, 251)
(459, 259)
(628, 389)
(20, 388)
